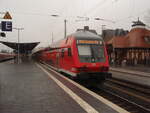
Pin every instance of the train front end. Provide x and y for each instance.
(92, 58)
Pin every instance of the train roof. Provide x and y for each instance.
(85, 35)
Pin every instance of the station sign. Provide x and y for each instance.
(6, 26)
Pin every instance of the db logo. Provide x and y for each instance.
(94, 64)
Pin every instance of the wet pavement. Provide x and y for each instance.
(24, 88)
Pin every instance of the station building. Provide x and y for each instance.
(131, 48)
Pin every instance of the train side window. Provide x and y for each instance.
(69, 52)
(62, 53)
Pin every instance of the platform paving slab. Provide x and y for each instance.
(24, 88)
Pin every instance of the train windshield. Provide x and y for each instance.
(91, 53)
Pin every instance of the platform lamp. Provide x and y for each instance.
(18, 29)
(2, 34)
(65, 25)
(111, 21)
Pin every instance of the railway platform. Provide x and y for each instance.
(29, 88)
(145, 69)
(137, 74)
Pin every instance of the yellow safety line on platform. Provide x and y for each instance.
(80, 101)
(100, 98)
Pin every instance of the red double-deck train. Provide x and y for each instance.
(81, 55)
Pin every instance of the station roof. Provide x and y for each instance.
(23, 47)
(136, 38)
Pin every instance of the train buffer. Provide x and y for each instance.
(29, 88)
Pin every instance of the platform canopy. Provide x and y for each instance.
(23, 47)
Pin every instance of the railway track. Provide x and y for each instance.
(122, 102)
(131, 97)
(134, 103)
(133, 86)
(124, 97)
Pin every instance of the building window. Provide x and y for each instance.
(147, 39)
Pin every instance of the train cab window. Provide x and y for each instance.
(62, 53)
(84, 50)
(91, 53)
(69, 52)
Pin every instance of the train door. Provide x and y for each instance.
(61, 59)
(58, 60)
(69, 60)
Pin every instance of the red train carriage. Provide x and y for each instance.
(82, 54)
(6, 56)
(41, 54)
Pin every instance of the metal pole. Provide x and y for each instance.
(52, 37)
(18, 45)
(18, 48)
(65, 25)
(65, 28)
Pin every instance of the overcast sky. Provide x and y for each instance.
(35, 17)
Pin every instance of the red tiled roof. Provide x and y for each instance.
(134, 39)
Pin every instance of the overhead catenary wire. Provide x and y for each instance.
(95, 7)
(132, 16)
(99, 6)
